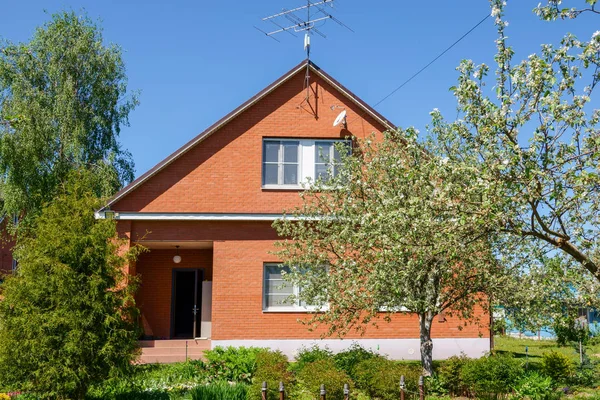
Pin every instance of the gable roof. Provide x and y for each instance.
(250, 102)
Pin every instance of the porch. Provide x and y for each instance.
(175, 300)
(175, 293)
(171, 351)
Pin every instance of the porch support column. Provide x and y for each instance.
(124, 233)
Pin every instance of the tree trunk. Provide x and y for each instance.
(425, 320)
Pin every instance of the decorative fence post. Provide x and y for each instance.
(281, 391)
(421, 391)
(346, 392)
(264, 391)
(402, 386)
(323, 392)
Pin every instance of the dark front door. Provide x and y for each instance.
(186, 303)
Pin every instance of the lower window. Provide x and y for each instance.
(279, 294)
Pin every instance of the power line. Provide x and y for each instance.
(432, 61)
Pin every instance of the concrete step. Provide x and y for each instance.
(172, 350)
(165, 359)
(178, 343)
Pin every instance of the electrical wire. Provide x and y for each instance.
(431, 62)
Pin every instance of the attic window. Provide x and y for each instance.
(288, 163)
(281, 162)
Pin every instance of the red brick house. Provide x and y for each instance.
(216, 198)
(7, 242)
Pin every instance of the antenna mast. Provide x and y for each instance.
(320, 15)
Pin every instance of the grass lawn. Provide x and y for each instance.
(505, 344)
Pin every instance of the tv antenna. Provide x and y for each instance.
(291, 22)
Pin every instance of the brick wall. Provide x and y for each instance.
(237, 303)
(224, 172)
(235, 265)
(7, 242)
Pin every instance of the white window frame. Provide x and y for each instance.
(397, 309)
(296, 307)
(280, 164)
(307, 156)
(331, 163)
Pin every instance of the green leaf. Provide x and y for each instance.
(75, 124)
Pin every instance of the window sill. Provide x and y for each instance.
(286, 188)
(292, 311)
(394, 310)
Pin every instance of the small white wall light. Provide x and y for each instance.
(177, 257)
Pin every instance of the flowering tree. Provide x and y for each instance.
(542, 291)
(537, 142)
(554, 10)
(396, 230)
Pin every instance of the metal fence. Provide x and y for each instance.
(402, 392)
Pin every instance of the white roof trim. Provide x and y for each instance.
(148, 216)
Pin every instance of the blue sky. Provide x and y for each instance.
(194, 61)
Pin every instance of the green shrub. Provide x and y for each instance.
(557, 366)
(165, 376)
(500, 327)
(348, 360)
(62, 329)
(232, 364)
(380, 377)
(322, 372)
(157, 380)
(219, 391)
(435, 386)
(307, 355)
(570, 329)
(535, 387)
(450, 375)
(26, 396)
(143, 395)
(492, 376)
(271, 367)
(586, 374)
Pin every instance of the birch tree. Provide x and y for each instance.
(385, 236)
(63, 101)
